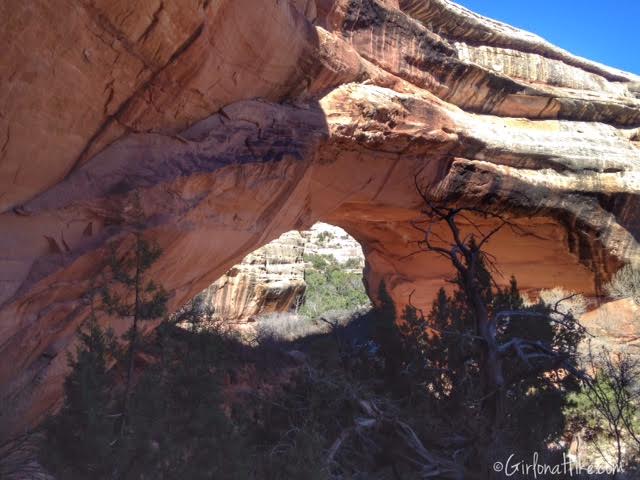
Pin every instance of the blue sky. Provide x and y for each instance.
(605, 31)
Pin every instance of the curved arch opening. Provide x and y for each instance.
(294, 286)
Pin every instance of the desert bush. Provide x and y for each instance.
(195, 314)
(331, 286)
(566, 302)
(625, 284)
(325, 237)
(607, 407)
(128, 293)
(443, 354)
(286, 327)
(353, 264)
(331, 424)
(177, 427)
(377, 403)
(79, 440)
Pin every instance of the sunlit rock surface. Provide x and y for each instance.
(272, 278)
(614, 326)
(234, 121)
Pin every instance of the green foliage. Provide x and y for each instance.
(421, 381)
(355, 410)
(197, 313)
(325, 237)
(80, 438)
(91, 408)
(177, 427)
(127, 274)
(352, 264)
(331, 286)
(444, 353)
(582, 411)
(607, 407)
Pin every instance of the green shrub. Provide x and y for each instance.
(80, 438)
(177, 427)
(607, 407)
(331, 286)
(325, 237)
(442, 351)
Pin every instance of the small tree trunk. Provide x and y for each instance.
(132, 341)
(618, 467)
(490, 365)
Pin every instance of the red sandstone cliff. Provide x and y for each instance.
(234, 121)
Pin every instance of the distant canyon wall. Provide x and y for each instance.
(272, 278)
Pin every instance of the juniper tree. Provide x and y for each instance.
(81, 436)
(126, 280)
(497, 351)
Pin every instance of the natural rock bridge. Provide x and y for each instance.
(232, 121)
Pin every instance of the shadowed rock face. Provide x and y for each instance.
(233, 121)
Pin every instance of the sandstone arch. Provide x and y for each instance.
(234, 123)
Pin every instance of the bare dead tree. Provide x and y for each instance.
(465, 252)
(378, 430)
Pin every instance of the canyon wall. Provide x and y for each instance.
(272, 278)
(212, 127)
(614, 326)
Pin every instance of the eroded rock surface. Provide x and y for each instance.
(233, 121)
(272, 278)
(614, 326)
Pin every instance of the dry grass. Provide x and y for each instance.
(287, 327)
(625, 284)
(564, 301)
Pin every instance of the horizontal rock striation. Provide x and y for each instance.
(272, 278)
(232, 122)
